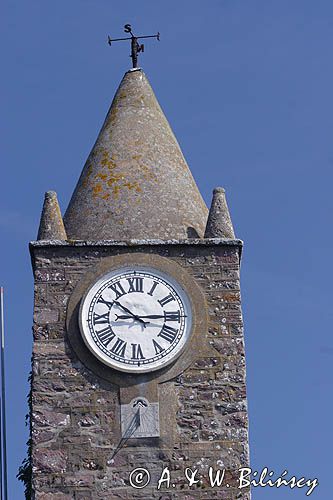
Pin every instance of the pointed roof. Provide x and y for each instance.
(136, 182)
(219, 223)
(51, 225)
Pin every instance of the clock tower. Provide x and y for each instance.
(138, 368)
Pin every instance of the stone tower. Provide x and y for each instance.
(138, 357)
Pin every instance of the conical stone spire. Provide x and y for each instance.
(136, 182)
(51, 225)
(219, 223)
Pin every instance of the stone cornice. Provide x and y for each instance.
(134, 242)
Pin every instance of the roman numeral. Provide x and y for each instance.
(137, 352)
(172, 316)
(135, 285)
(100, 318)
(105, 302)
(166, 300)
(105, 335)
(168, 333)
(119, 348)
(157, 347)
(117, 289)
(155, 283)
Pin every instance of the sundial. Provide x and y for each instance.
(139, 419)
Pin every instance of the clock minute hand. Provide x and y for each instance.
(150, 316)
(158, 316)
(131, 314)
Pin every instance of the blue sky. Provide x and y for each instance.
(247, 87)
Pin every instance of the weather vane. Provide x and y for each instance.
(135, 46)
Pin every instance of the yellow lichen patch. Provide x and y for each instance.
(111, 165)
(115, 191)
(97, 189)
(106, 162)
(112, 115)
(88, 174)
(102, 176)
(148, 173)
(132, 185)
(110, 179)
(105, 159)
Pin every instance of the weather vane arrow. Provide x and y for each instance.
(135, 46)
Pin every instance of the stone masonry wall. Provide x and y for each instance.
(75, 413)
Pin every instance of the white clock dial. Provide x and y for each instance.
(136, 319)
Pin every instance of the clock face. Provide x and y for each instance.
(136, 319)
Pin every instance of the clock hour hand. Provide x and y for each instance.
(132, 315)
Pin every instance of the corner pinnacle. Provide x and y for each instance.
(51, 225)
(219, 223)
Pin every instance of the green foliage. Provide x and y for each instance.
(25, 470)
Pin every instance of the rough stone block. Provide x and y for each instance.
(46, 461)
(44, 316)
(53, 496)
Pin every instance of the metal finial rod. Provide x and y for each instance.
(135, 46)
(3, 450)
